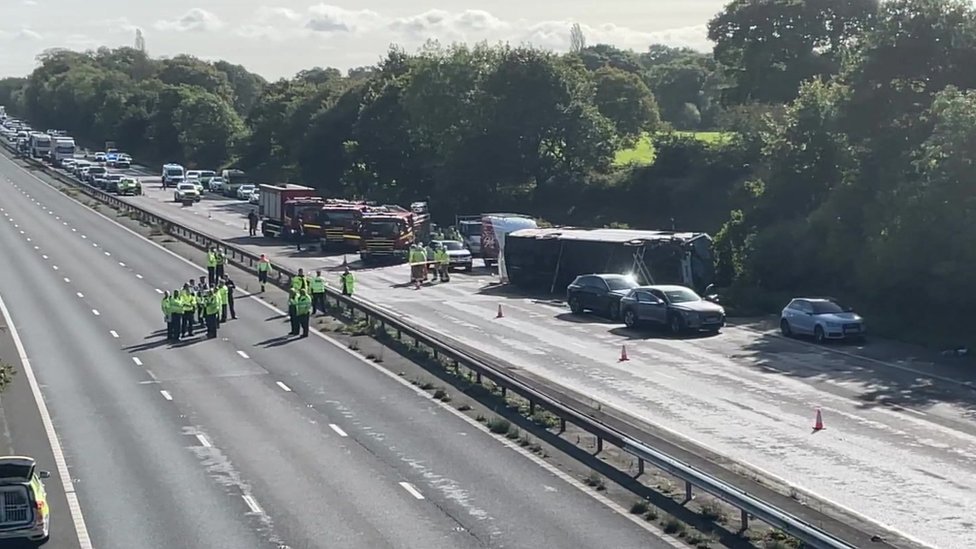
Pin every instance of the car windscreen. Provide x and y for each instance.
(682, 295)
(617, 283)
(97, 170)
(172, 172)
(826, 307)
(452, 246)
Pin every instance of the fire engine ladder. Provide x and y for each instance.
(640, 267)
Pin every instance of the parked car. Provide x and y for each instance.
(95, 172)
(112, 181)
(821, 317)
(111, 157)
(67, 164)
(100, 157)
(244, 191)
(254, 197)
(25, 513)
(678, 308)
(82, 173)
(193, 176)
(459, 257)
(123, 161)
(129, 185)
(186, 191)
(216, 184)
(600, 293)
(78, 166)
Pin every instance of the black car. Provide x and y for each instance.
(599, 293)
(676, 307)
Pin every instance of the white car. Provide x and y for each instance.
(216, 184)
(186, 191)
(458, 256)
(244, 191)
(254, 197)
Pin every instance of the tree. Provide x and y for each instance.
(624, 99)
(770, 47)
(577, 40)
(207, 127)
(246, 85)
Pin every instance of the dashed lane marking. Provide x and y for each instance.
(79, 294)
(95, 312)
(284, 387)
(121, 264)
(68, 280)
(83, 236)
(137, 361)
(139, 276)
(158, 291)
(74, 507)
(166, 395)
(114, 333)
(338, 430)
(55, 267)
(243, 355)
(106, 253)
(252, 504)
(411, 490)
(44, 256)
(204, 442)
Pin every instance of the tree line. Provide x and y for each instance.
(850, 131)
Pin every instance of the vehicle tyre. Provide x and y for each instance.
(630, 318)
(784, 328)
(575, 305)
(818, 335)
(676, 324)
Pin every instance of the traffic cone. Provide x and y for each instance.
(623, 354)
(500, 313)
(818, 424)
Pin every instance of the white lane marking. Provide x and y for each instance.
(55, 267)
(81, 295)
(158, 291)
(95, 312)
(68, 280)
(44, 256)
(94, 245)
(166, 395)
(151, 374)
(114, 333)
(338, 430)
(243, 354)
(137, 361)
(74, 230)
(252, 504)
(106, 253)
(83, 236)
(74, 507)
(37, 247)
(21, 232)
(139, 276)
(28, 239)
(121, 264)
(411, 490)
(65, 223)
(284, 387)
(204, 442)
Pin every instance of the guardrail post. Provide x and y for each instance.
(477, 377)
(599, 444)
(744, 520)
(531, 407)
(562, 426)
(504, 393)
(688, 492)
(640, 466)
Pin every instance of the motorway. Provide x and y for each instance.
(252, 440)
(899, 422)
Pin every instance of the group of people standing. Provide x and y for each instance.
(432, 259)
(307, 297)
(198, 302)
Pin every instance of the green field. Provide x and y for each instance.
(643, 152)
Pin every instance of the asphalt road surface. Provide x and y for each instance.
(252, 440)
(898, 420)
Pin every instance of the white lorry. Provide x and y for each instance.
(64, 148)
(39, 144)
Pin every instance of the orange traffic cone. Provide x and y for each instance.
(623, 354)
(500, 313)
(818, 424)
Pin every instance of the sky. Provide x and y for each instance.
(279, 38)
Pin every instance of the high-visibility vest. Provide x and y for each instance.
(222, 294)
(221, 259)
(318, 285)
(189, 302)
(211, 304)
(442, 257)
(264, 265)
(211, 259)
(348, 282)
(299, 282)
(303, 304)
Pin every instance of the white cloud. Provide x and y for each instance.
(325, 18)
(195, 20)
(20, 35)
(265, 13)
(30, 3)
(120, 25)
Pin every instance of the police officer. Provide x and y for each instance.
(317, 284)
(189, 302)
(221, 260)
(230, 296)
(443, 262)
(347, 282)
(252, 222)
(212, 304)
(199, 289)
(212, 265)
(222, 299)
(299, 281)
(175, 315)
(293, 311)
(303, 306)
(264, 269)
(167, 316)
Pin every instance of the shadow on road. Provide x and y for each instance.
(276, 341)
